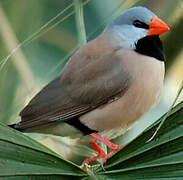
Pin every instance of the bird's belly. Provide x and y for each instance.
(115, 118)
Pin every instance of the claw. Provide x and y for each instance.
(100, 153)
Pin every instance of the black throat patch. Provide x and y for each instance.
(151, 46)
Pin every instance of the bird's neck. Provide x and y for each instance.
(149, 45)
(111, 38)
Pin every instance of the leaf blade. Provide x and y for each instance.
(21, 155)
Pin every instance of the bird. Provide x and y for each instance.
(105, 86)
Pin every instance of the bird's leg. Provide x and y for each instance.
(100, 154)
(109, 144)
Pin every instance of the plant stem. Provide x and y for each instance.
(12, 46)
(80, 22)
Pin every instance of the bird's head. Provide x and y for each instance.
(135, 24)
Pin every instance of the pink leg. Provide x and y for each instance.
(112, 146)
(101, 154)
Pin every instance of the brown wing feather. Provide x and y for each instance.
(85, 83)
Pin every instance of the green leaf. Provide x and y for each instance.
(160, 158)
(23, 157)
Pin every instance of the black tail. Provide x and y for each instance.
(14, 126)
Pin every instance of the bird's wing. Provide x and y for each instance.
(86, 83)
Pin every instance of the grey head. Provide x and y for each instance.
(131, 26)
(132, 15)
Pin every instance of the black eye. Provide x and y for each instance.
(140, 24)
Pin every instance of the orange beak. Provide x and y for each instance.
(157, 27)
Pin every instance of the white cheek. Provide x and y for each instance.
(130, 35)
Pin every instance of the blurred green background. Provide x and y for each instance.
(38, 36)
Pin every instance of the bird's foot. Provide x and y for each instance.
(101, 155)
